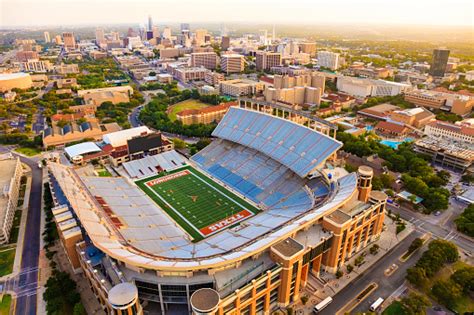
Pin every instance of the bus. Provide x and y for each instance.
(321, 305)
(376, 304)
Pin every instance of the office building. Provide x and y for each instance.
(308, 48)
(99, 36)
(268, 258)
(225, 42)
(439, 62)
(232, 63)
(150, 23)
(199, 36)
(47, 37)
(329, 60)
(265, 60)
(69, 41)
(166, 33)
(185, 27)
(10, 178)
(207, 60)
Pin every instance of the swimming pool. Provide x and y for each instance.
(394, 144)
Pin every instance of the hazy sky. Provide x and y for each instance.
(71, 12)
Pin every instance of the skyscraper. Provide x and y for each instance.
(69, 40)
(150, 23)
(185, 27)
(166, 32)
(439, 63)
(225, 42)
(47, 38)
(99, 36)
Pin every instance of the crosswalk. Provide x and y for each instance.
(419, 225)
(19, 283)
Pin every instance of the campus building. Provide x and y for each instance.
(10, 178)
(19, 80)
(240, 87)
(329, 60)
(206, 60)
(232, 63)
(293, 219)
(205, 115)
(265, 60)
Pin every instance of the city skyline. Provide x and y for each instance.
(72, 12)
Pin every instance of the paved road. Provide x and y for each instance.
(376, 274)
(424, 224)
(26, 282)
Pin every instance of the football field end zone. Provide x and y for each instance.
(248, 210)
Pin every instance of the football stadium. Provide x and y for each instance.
(242, 227)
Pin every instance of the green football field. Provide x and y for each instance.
(199, 205)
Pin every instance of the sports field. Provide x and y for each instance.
(187, 104)
(198, 204)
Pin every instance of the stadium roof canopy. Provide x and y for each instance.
(81, 149)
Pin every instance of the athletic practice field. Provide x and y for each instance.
(198, 204)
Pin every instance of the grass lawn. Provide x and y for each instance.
(28, 151)
(187, 104)
(465, 303)
(104, 173)
(6, 261)
(197, 203)
(5, 305)
(395, 308)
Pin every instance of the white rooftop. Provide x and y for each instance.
(81, 148)
(10, 76)
(119, 138)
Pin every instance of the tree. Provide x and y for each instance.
(374, 249)
(465, 278)
(415, 304)
(179, 144)
(465, 222)
(417, 243)
(417, 276)
(349, 268)
(60, 294)
(79, 309)
(447, 292)
(339, 273)
(152, 73)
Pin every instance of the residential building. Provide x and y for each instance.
(207, 60)
(232, 63)
(204, 115)
(459, 132)
(10, 178)
(240, 87)
(265, 60)
(329, 60)
(69, 41)
(439, 62)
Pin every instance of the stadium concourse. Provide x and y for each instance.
(257, 199)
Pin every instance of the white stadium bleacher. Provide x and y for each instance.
(153, 164)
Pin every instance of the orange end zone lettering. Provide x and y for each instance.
(215, 227)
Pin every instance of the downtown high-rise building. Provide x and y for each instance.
(69, 40)
(185, 27)
(439, 62)
(47, 38)
(150, 23)
(99, 36)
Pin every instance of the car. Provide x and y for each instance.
(437, 213)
